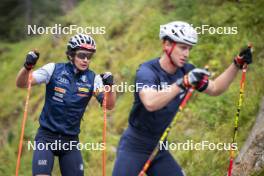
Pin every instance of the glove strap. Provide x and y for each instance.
(28, 67)
(239, 62)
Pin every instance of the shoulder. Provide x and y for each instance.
(148, 72)
(59, 65)
(150, 63)
(44, 73)
(49, 66)
(149, 66)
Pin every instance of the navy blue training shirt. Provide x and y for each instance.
(152, 75)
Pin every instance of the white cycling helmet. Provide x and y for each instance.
(179, 31)
(81, 41)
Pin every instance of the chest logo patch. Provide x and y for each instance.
(63, 80)
(83, 89)
(59, 89)
(82, 95)
(84, 78)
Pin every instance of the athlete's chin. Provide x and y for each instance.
(180, 64)
(83, 68)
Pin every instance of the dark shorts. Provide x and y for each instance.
(134, 150)
(48, 145)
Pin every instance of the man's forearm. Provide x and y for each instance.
(222, 82)
(111, 98)
(22, 78)
(154, 100)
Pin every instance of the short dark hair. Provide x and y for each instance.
(70, 53)
(167, 38)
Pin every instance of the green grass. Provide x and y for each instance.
(132, 38)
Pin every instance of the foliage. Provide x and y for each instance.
(131, 38)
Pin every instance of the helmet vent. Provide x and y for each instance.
(181, 32)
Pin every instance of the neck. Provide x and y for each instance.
(75, 70)
(167, 65)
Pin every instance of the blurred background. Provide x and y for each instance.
(132, 37)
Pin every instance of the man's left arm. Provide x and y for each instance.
(222, 82)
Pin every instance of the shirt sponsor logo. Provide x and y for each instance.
(60, 95)
(42, 162)
(59, 89)
(64, 72)
(84, 78)
(83, 89)
(82, 95)
(57, 99)
(83, 84)
(63, 80)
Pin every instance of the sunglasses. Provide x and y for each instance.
(82, 55)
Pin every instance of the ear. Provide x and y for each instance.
(166, 45)
(72, 60)
(69, 57)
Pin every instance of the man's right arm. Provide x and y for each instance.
(22, 78)
(23, 74)
(154, 100)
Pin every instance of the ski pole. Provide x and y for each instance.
(239, 104)
(23, 123)
(104, 134)
(241, 95)
(166, 133)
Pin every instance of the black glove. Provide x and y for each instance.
(197, 78)
(244, 57)
(107, 78)
(31, 59)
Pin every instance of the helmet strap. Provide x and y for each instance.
(168, 53)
